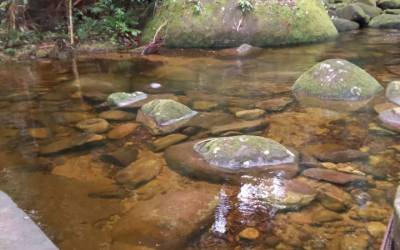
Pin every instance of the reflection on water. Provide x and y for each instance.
(74, 196)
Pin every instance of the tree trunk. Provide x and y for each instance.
(70, 21)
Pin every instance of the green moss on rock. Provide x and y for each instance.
(222, 24)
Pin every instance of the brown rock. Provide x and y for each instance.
(277, 104)
(93, 125)
(204, 105)
(166, 141)
(246, 126)
(167, 221)
(39, 133)
(322, 216)
(122, 130)
(333, 176)
(249, 233)
(341, 156)
(71, 142)
(121, 157)
(333, 198)
(251, 114)
(117, 115)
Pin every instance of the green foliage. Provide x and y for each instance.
(108, 19)
(10, 51)
(196, 7)
(245, 6)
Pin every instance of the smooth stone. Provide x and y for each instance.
(393, 92)
(207, 120)
(93, 125)
(228, 158)
(249, 233)
(117, 115)
(122, 130)
(246, 50)
(323, 216)
(204, 105)
(83, 168)
(71, 142)
(392, 11)
(378, 130)
(244, 126)
(150, 98)
(336, 84)
(145, 169)
(343, 25)
(122, 99)
(389, 4)
(390, 119)
(341, 156)
(333, 198)
(354, 13)
(166, 141)
(17, 229)
(121, 157)
(163, 116)
(39, 133)
(274, 105)
(168, 221)
(384, 106)
(376, 229)
(71, 117)
(333, 176)
(385, 21)
(252, 114)
(371, 11)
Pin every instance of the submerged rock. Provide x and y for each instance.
(245, 126)
(333, 176)
(276, 104)
(122, 130)
(251, 114)
(336, 84)
(117, 115)
(164, 116)
(121, 157)
(225, 25)
(167, 221)
(390, 118)
(393, 92)
(93, 125)
(122, 99)
(228, 158)
(71, 142)
(164, 142)
(341, 156)
(277, 192)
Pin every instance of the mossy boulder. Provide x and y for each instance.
(210, 24)
(229, 158)
(163, 116)
(337, 81)
(385, 21)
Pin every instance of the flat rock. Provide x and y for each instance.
(390, 119)
(244, 126)
(276, 104)
(251, 114)
(145, 169)
(333, 176)
(93, 125)
(121, 157)
(168, 221)
(18, 231)
(322, 216)
(334, 198)
(343, 25)
(39, 133)
(206, 120)
(228, 158)
(71, 142)
(341, 156)
(384, 106)
(117, 115)
(122, 130)
(204, 105)
(166, 141)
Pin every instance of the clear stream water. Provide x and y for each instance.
(77, 209)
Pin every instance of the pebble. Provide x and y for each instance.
(249, 233)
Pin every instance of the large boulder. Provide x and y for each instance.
(354, 13)
(389, 4)
(163, 116)
(385, 21)
(343, 25)
(336, 84)
(229, 158)
(225, 24)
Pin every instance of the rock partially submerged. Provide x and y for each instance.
(390, 118)
(122, 99)
(228, 158)
(167, 221)
(333, 176)
(336, 84)
(18, 231)
(393, 92)
(163, 116)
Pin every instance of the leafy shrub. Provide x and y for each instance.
(245, 6)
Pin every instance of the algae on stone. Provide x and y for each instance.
(222, 24)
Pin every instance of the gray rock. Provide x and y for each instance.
(343, 25)
(393, 92)
(122, 99)
(354, 13)
(385, 21)
(228, 158)
(389, 4)
(390, 119)
(371, 11)
(163, 116)
(18, 231)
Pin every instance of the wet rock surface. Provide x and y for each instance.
(390, 119)
(157, 222)
(228, 158)
(333, 176)
(72, 142)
